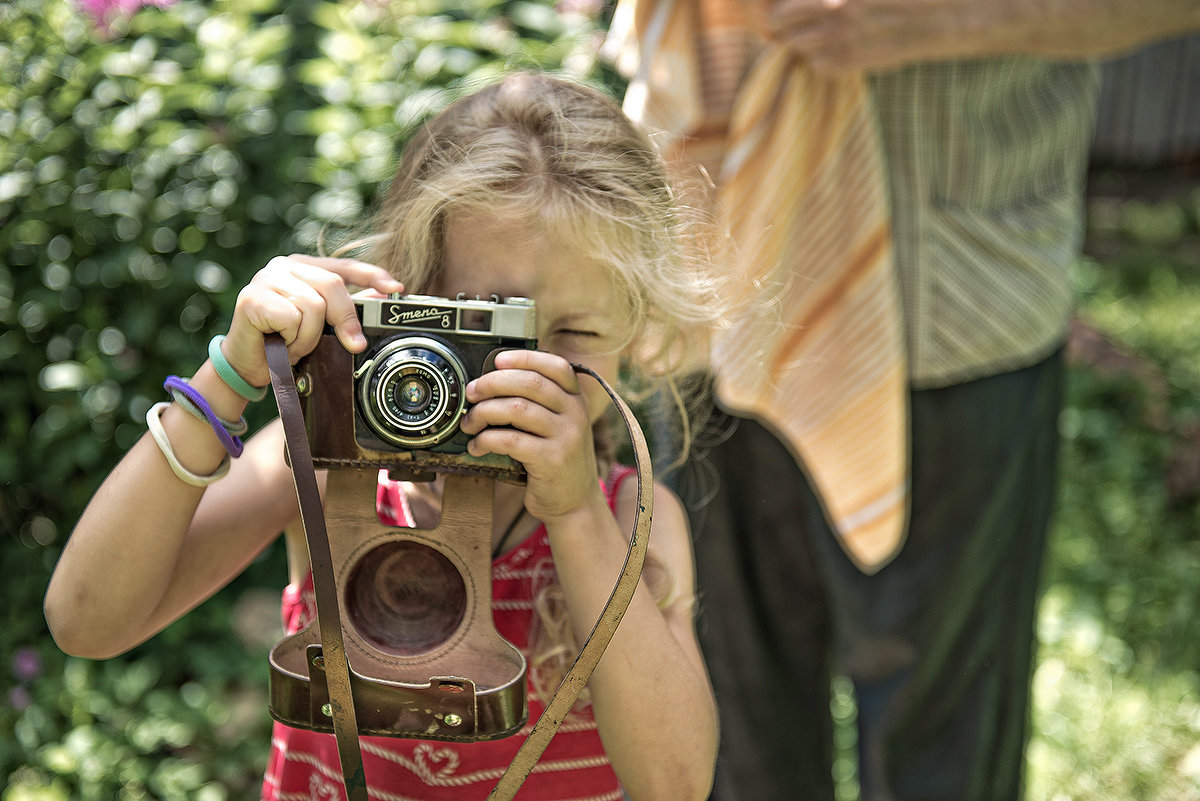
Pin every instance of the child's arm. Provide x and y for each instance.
(149, 547)
(650, 692)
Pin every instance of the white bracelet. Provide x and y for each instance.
(160, 437)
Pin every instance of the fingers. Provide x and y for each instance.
(354, 273)
(832, 36)
(330, 278)
(549, 365)
(541, 378)
(530, 392)
(297, 296)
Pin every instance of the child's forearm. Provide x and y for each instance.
(128, 569)
(650, 692)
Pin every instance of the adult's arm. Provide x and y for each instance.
(844, 35)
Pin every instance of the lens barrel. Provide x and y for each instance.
(412, 394)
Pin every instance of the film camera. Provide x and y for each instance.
(398, 404)
(413, 605)
(410, 383)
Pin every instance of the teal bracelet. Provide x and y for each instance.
(230, 376)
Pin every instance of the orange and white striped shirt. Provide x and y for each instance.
(817, 352)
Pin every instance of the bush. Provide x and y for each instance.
(145, 175)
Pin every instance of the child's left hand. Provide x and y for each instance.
(531, 408)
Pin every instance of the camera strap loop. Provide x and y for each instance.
(337, 668)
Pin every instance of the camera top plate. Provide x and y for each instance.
(508, 318)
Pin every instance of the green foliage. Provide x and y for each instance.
(145, 175)
(145, 179)
(1117, 693)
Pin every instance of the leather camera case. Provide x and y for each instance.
(424, 655)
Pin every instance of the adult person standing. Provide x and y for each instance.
(903, 183)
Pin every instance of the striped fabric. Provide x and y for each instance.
(818, 354)
(303, 765)
(987, 163)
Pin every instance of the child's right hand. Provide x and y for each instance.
(296, 296)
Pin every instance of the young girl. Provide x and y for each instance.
(532, 187)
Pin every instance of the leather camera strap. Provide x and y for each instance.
(333, 649)
(337, 668)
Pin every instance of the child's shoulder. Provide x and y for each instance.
(623, 488)
(620, 476)
(406, 504)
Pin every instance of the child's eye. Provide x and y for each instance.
(574, 334)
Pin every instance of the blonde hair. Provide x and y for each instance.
(566, 159)
(561, 155)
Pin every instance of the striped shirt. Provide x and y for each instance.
(986, 165)
(913, 228)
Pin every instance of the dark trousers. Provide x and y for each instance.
(938, 644)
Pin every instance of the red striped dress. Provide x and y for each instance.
(303, 765)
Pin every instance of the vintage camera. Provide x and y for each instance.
(410, 383)
(414, 605)
(406, 393)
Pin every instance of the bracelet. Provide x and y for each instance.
(194, 403)
(236, 428)
(164, 445)
(230, 376)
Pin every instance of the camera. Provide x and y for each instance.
(413, 605)
(410, 383)
(398, 404)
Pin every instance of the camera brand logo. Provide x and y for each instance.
(419, 316)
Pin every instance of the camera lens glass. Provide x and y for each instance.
(412, 394)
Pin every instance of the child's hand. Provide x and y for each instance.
(538, 395)
(295, 296)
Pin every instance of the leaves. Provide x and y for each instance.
(146, 172)
(144, 179)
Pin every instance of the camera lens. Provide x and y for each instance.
(411, 391)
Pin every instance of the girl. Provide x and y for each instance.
(532, 187)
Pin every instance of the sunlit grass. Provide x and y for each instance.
(1116, 693)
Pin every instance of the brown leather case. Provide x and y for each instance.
(376, 672)
(425, 658)
(415, 607)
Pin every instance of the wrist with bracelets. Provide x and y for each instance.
(164, 445)
(228, 432)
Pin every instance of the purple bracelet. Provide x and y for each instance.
(175, 384)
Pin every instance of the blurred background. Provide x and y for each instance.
(151, 164)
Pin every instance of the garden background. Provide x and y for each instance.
(148, 169)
